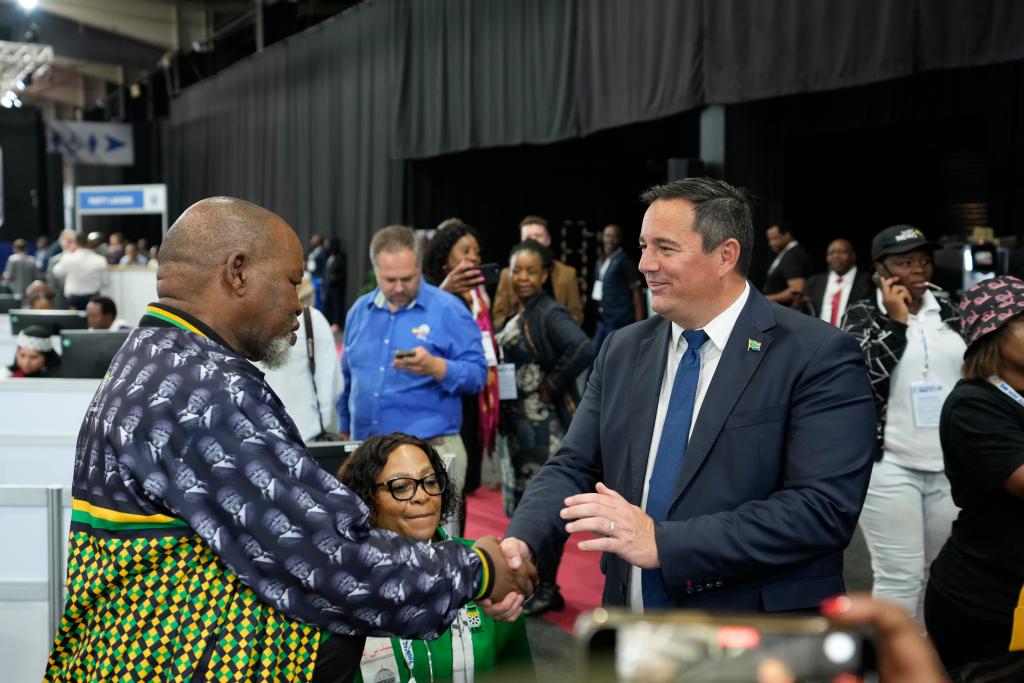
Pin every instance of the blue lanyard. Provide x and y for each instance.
(1002, 386)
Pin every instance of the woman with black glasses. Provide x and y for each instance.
(402, 481)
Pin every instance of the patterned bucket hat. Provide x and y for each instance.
(989, 305)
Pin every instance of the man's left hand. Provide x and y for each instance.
(628, 531)
(422, 362)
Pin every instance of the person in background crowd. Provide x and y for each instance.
(34, 357)
(132, 256)
(617, 287)
(788, 273)
(21, 269)
(309, 393)
(39, 296)
(975, 581)
(549, 351)
(411, 352)
(827, 295)
(153, 251)
(722, 448)
(101, 314)
(116, 249)
(94, 241)
(316, 266)
(335, 277)
(84, 272)
(911, 342)
(42, 253)
(403, 482)
(450, 262)
(564, 285)
(65, 245)
(209, 496)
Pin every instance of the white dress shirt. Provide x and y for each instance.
(831, 288)
(718, 331)
(293, 382)
(84, 272)
(906, 444)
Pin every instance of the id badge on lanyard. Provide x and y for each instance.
(488, 344)
(507, 390)
(926, 396)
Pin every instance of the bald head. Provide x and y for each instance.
(233, 265)
(212, 228)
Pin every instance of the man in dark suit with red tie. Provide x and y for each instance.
(722, 448)
(828, 294)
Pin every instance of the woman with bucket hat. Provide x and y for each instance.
(912, 344)
(976, 579)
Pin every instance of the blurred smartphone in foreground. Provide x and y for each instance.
(696, 647)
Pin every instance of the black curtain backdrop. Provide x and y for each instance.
(302, 128)
(317, 127)
(482, 73)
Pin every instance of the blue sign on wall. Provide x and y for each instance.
(114, 200)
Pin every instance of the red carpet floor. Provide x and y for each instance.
(579, 576)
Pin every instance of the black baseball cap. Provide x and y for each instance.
(899, 239)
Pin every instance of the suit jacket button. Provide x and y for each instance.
(622, 587)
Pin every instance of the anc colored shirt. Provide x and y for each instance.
(203, 535)
(493, 645)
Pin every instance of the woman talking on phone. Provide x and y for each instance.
(452, 263)
(912, 344)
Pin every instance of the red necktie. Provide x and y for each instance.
(835, 303)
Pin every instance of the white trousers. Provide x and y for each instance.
(907, 518)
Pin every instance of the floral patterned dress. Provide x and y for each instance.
(530, 426)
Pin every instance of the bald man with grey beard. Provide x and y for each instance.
(153, 523)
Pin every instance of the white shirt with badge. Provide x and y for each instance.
(919, 385)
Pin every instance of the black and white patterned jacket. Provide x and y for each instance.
(883, 341)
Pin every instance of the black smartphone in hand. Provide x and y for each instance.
(879, 273)
(405, 353)
(490, 273)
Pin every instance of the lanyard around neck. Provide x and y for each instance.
(1002, 386)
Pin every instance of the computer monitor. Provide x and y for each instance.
(87, 353)
(56, 320)
(9, 301)
(331, 455)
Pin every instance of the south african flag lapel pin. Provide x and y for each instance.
(753, 345)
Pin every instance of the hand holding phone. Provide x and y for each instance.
(895, 297)
(464, 277)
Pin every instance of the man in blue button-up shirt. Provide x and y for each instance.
(411, 351)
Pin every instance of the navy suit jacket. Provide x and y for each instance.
(775, 472)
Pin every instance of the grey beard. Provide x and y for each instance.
(275, 355)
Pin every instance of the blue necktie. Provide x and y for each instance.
(668, 462)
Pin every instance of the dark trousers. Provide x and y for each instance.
(78, 301)
(961, 638)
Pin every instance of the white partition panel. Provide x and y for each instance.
(39, 423)
(33, 531)
(5, 325)
(132, 288)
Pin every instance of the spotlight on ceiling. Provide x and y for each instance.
(28, 5)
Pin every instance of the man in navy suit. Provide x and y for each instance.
(722, 449)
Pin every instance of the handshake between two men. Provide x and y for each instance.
(622, 529)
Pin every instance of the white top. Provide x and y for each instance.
(778, 258)
(718, 331)
(906, 444)
(293, 382)
(84, 272)
(833, 286)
